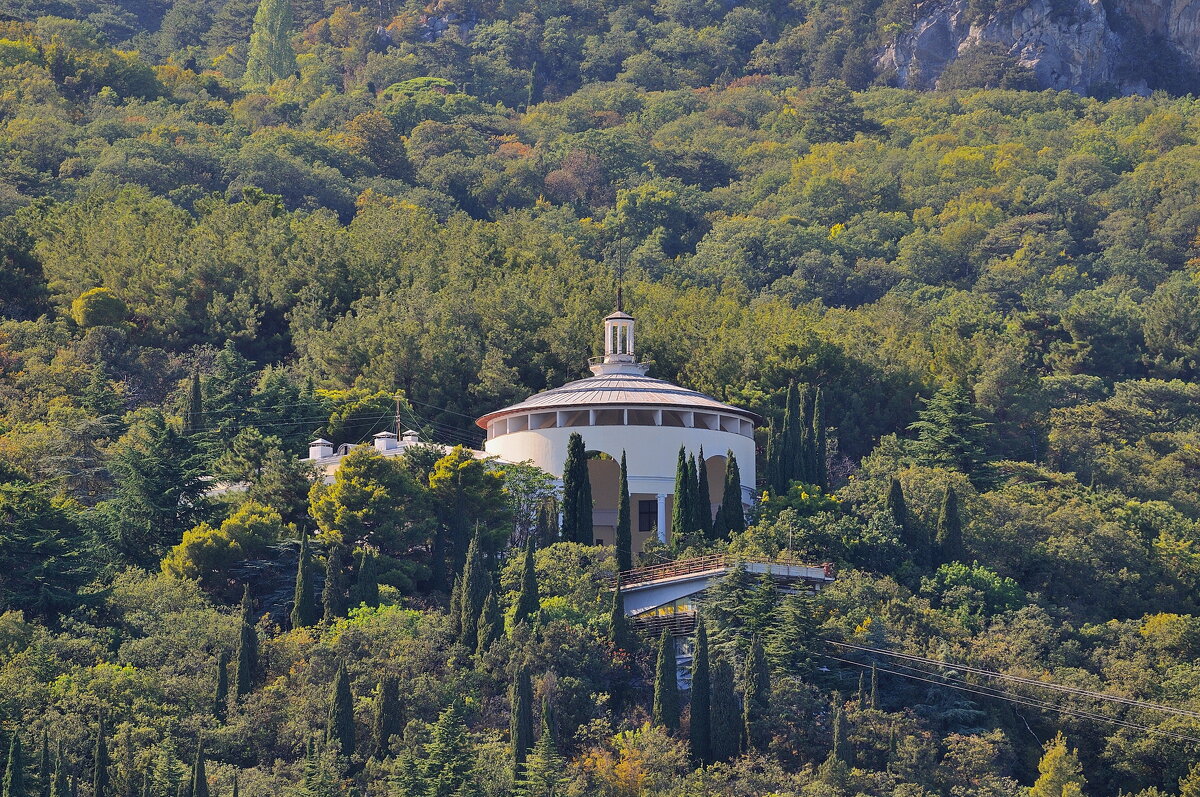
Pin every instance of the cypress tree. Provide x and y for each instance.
(476, 584)
(733, 518)
(700, 730)
(577, 494)
(520, 729)
(44, 771)
(725, 714)
(681, 510)
(771, 472)
(618, 623)
(333, 596)
(704, 512)
(246, 671)
(806, 466)
(456, 606)
(898, 508)
(199, 776)
(59, 786)
(193, 413)
(14, 770)
(820, 441)
(949, 529)
(221, 691)
(788, 446)
(339, 723)
(666, 689)
(547, 522)
(693, 525)
(623, 539)
(366, 581)
(527, 597)
(874, 687)
(841, 745)
(271, 55)
(544, 771)
(756, 686)
(234, 793)
(489, 628)
(100, 763)
(304, 609)
(386, 720)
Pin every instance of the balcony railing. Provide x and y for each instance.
(704, 564)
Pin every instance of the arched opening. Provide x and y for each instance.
(604, 472)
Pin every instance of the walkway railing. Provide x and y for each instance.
(704, 564)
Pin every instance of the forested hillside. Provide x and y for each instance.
(227, 228)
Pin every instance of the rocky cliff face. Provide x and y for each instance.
(1078, 45)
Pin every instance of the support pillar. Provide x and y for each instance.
(662, 518)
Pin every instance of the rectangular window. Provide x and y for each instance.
(647, 515)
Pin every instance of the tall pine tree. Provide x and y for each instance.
(246, 671)
(699, 742)
(304, 607)
(665, 711)
(577, 493)
(623, 539)
(950, 433)
(545, 773)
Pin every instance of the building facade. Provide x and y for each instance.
(619, 409)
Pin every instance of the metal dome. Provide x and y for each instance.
(624, 389)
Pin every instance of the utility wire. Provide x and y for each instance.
(1018, 699)
(1022, 680)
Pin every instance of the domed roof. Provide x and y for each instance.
(625, 389)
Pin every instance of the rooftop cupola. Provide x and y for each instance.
(619, 357)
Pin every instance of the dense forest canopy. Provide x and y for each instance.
(226, 228)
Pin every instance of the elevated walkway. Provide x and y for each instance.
(664, 596)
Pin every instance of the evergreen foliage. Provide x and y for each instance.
(733, 517)
(366, 581)
(44, 771)
(577, 493)
(221, 687)
(950, 433)
(692, 522)
(490, 626)
(246, 670)
(949, 529)
(756, 691)
(100, 762)
(910, 532)
(699, 741)
(725, 713)
(704, 513)
(271, 55)
(199, 778)
(544, 773)
(386, 719)
(618, 624)
(681, 507)
(665, 711)
(304, 607)
(623, 538)
(1059, 772)
(820, 442)
(59, 786)
(448, 765)
(520, 731)
(193, 413)
(15, 782)
(527, 597)
(339, 722)
(476, 586)
(333, 595)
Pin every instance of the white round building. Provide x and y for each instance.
(620, 409)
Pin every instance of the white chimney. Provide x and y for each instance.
(410, 437)
(385, 441)
(320, 448)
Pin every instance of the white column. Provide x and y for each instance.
(662, 518)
